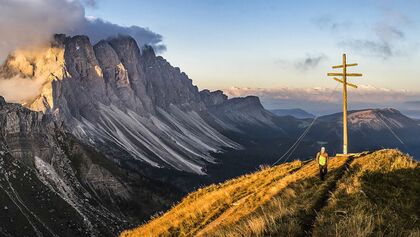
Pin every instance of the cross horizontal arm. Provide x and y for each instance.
(349, 84)
(347, 65)
(354, 74)
(331, 74)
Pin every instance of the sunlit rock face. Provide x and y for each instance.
(36, 69)
(118, 97)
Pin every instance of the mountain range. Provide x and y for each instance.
(297, 113)
(114, 134)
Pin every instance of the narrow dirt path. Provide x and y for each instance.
(219, 218)
(309, 221)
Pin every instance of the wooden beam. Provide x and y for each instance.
(331, 74)
(349, 84)
(341, 81)
(347, 65)
(354, 74)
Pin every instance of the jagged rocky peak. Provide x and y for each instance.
(211, 98)
(126, 46)
(129, 55)
(134, 79)
(80, 58)
(106, 55)
(167, 84)
(116, 77)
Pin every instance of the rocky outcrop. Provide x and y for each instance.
(242, 112)
(47, 177)
(211, 98)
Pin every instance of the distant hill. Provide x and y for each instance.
(368, 194)
(297, 113)
(370, 129)
(415, 114)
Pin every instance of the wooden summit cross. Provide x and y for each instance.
(344, 76)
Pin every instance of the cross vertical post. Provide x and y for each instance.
(343, 80)
(345, 137)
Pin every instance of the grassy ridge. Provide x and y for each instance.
(288, 199)
(379, 196)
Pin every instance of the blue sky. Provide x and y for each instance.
(264, 44)
(279, 50)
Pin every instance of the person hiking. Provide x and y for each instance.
(322, 160)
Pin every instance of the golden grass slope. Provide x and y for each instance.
(379, 196)
(290, 200)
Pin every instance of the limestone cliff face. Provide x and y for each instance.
(124, 99)
(119, 97)
(168, 85)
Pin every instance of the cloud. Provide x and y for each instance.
(31, 22)
(387, 36)
(325, 100)
(98, 29)
(384, 45)
(326, 22)
(303, 64)
(90, 3)
(380, 49)
(19, 89)
(388, 32)
(310, 62)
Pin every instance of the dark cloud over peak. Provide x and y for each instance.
(98, 29)
(25, 23)
(90, 3)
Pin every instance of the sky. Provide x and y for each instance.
(279, 50)
(254, 43)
